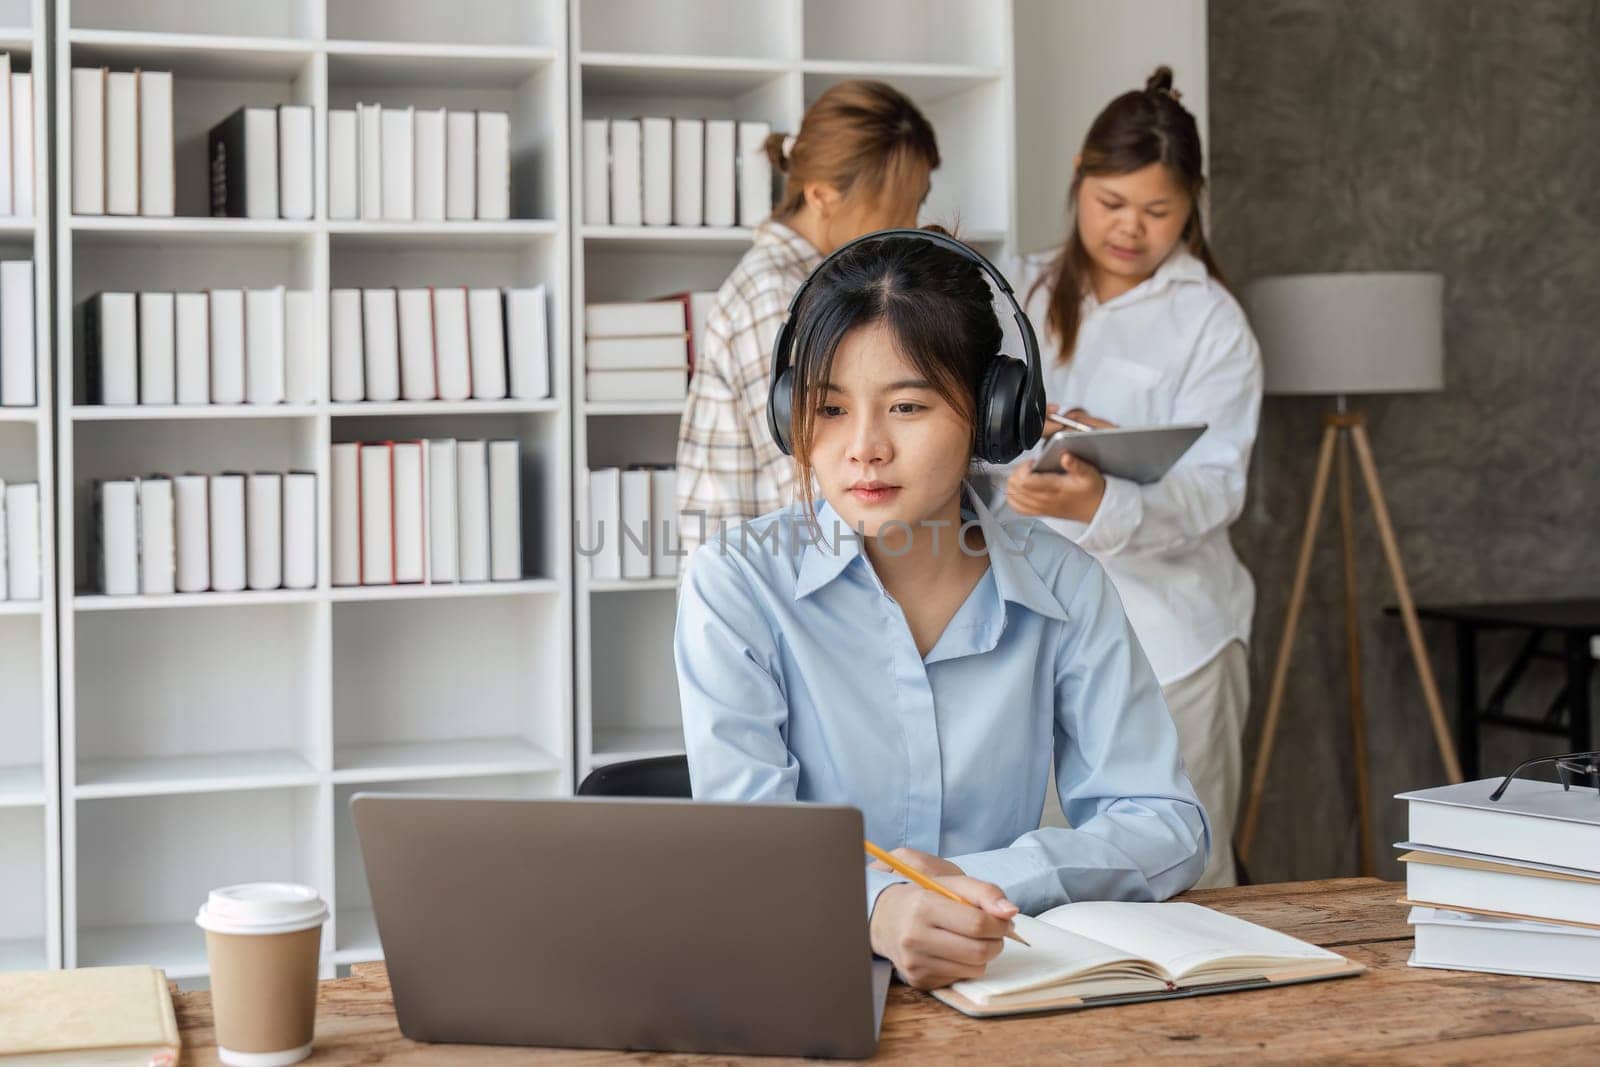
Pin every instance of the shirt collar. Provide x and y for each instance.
(775, 234)
(836, 545)
(1179, 267)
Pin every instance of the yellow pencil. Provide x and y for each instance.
(928, 883)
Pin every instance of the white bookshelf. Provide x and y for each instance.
(30, 814)
(211, 738)
(760, 60)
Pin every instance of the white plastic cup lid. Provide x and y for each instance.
(262, 908)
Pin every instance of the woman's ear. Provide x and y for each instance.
(823, 198)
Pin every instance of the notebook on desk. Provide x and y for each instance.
(1098, 953)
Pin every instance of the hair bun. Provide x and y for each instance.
(1161, 82)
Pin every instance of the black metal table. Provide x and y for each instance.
(1575, 623)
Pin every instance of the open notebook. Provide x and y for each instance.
(1101, 952)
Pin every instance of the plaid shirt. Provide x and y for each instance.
(729, 468)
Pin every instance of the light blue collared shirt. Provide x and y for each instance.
(800, 680)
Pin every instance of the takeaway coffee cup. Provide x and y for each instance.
(262, 940)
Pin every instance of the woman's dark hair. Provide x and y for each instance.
(1135, 130)
(938, 307)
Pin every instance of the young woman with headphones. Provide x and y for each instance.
(895, 647)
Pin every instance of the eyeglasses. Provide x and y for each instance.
(1582, 765)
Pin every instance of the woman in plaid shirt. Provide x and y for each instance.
(861, 162)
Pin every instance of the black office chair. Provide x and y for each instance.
(659, 776)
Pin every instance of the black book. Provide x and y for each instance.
(243, 149)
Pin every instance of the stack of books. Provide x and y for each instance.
(222, 346)
(261, 163)
(1510, 886)
(445, 343)
(423, 164)
(201, 533)
(20, 574)
(19, 387)
(637, 351)
(633, 523)
(122, 142)
(676, 172)
(429, 512)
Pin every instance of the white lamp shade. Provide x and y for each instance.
(1350, 333)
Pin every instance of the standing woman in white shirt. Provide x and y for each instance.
(1141, 330)
(862, 161)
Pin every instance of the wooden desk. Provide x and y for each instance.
(1393, 1011)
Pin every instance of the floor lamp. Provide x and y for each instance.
(1338, 334)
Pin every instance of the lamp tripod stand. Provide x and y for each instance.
(1346, 430)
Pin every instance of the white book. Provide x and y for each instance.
(157, 561)
(637, 386)
(156, 146)
(486, 335)
(755, 174)
(527, 343)
(192, 522)
(451, 345)
(635, 318)
(263, 345)
(117, 529)
(442, 533)
(428, 175)
(472, 503)
(655, 135)
(112, 338)
(627, 189)
(380, 340)
(399, 202)
(688, 172)
(348, 375)
(410, 514)
(18, 387)
(460, 165)
(377, 514)
(1460, 941)
(1501, 888)
(637, 353)
(88, 141)
(227, 346)
(596, 172)
(22, 148)
(720, 208)
(416, 345)
(263, 508)
(192, 348)
(158, 367)
(600, 541)
(7, 201)
(635, 530)
(299, 347)
(505, 512)
(344, 182)
(494, 165)
(299, 530)
(229, 568)
(122, 143)
(24, 569)
(345, 512)
(296, 186)
(258, 171)
(369, 144)
(1535, 822)
(665, 544)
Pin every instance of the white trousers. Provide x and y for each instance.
(1209, 708)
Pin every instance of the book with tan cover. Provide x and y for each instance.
(103, 1015)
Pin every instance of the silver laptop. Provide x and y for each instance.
(624, 923)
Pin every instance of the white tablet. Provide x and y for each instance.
(1139, 454)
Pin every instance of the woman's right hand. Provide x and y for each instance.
(934, 941)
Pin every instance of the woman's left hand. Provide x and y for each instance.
(921, 862)
(1073, 494)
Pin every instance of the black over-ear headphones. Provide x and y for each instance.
(1010, 397)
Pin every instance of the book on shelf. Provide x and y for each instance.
(157, 551)
(634, 532)
(263, 507)
(452, 348)
(417, 381)
(263, 346)
(296, 195)
(156, 145)
(428, 170)
(110, 337)
(116, 504)
(395, 130)
(505, 512)
(229, 568)
(19, 385)
(106, 1016)
(601, 539)
(158, 367)
(442, 511)
(627, 189)
(299, 530)
(697, 309)
(487, 343)
(7, 195)
(665, 544)
(721, 177)
(192, 348)
(472, 504)
(637, 386)
(494, 165)
(348, 382)
(635, 318)
(191, 509)
(637, 353)
(655, 140)
(227, 346)
(528, 343)
(369, 168)
(345, 513)
(410, 513)
(1103, 952)
(596, 172)
(299, 347)
(461, 165)
(344, 185)
(755, 174)
(122, 142)
(88, 141)
(377, 514)
(380, 344)
(243, 149)
(24, 566)
(1454, 940)
(23, 140)
(688, 172)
